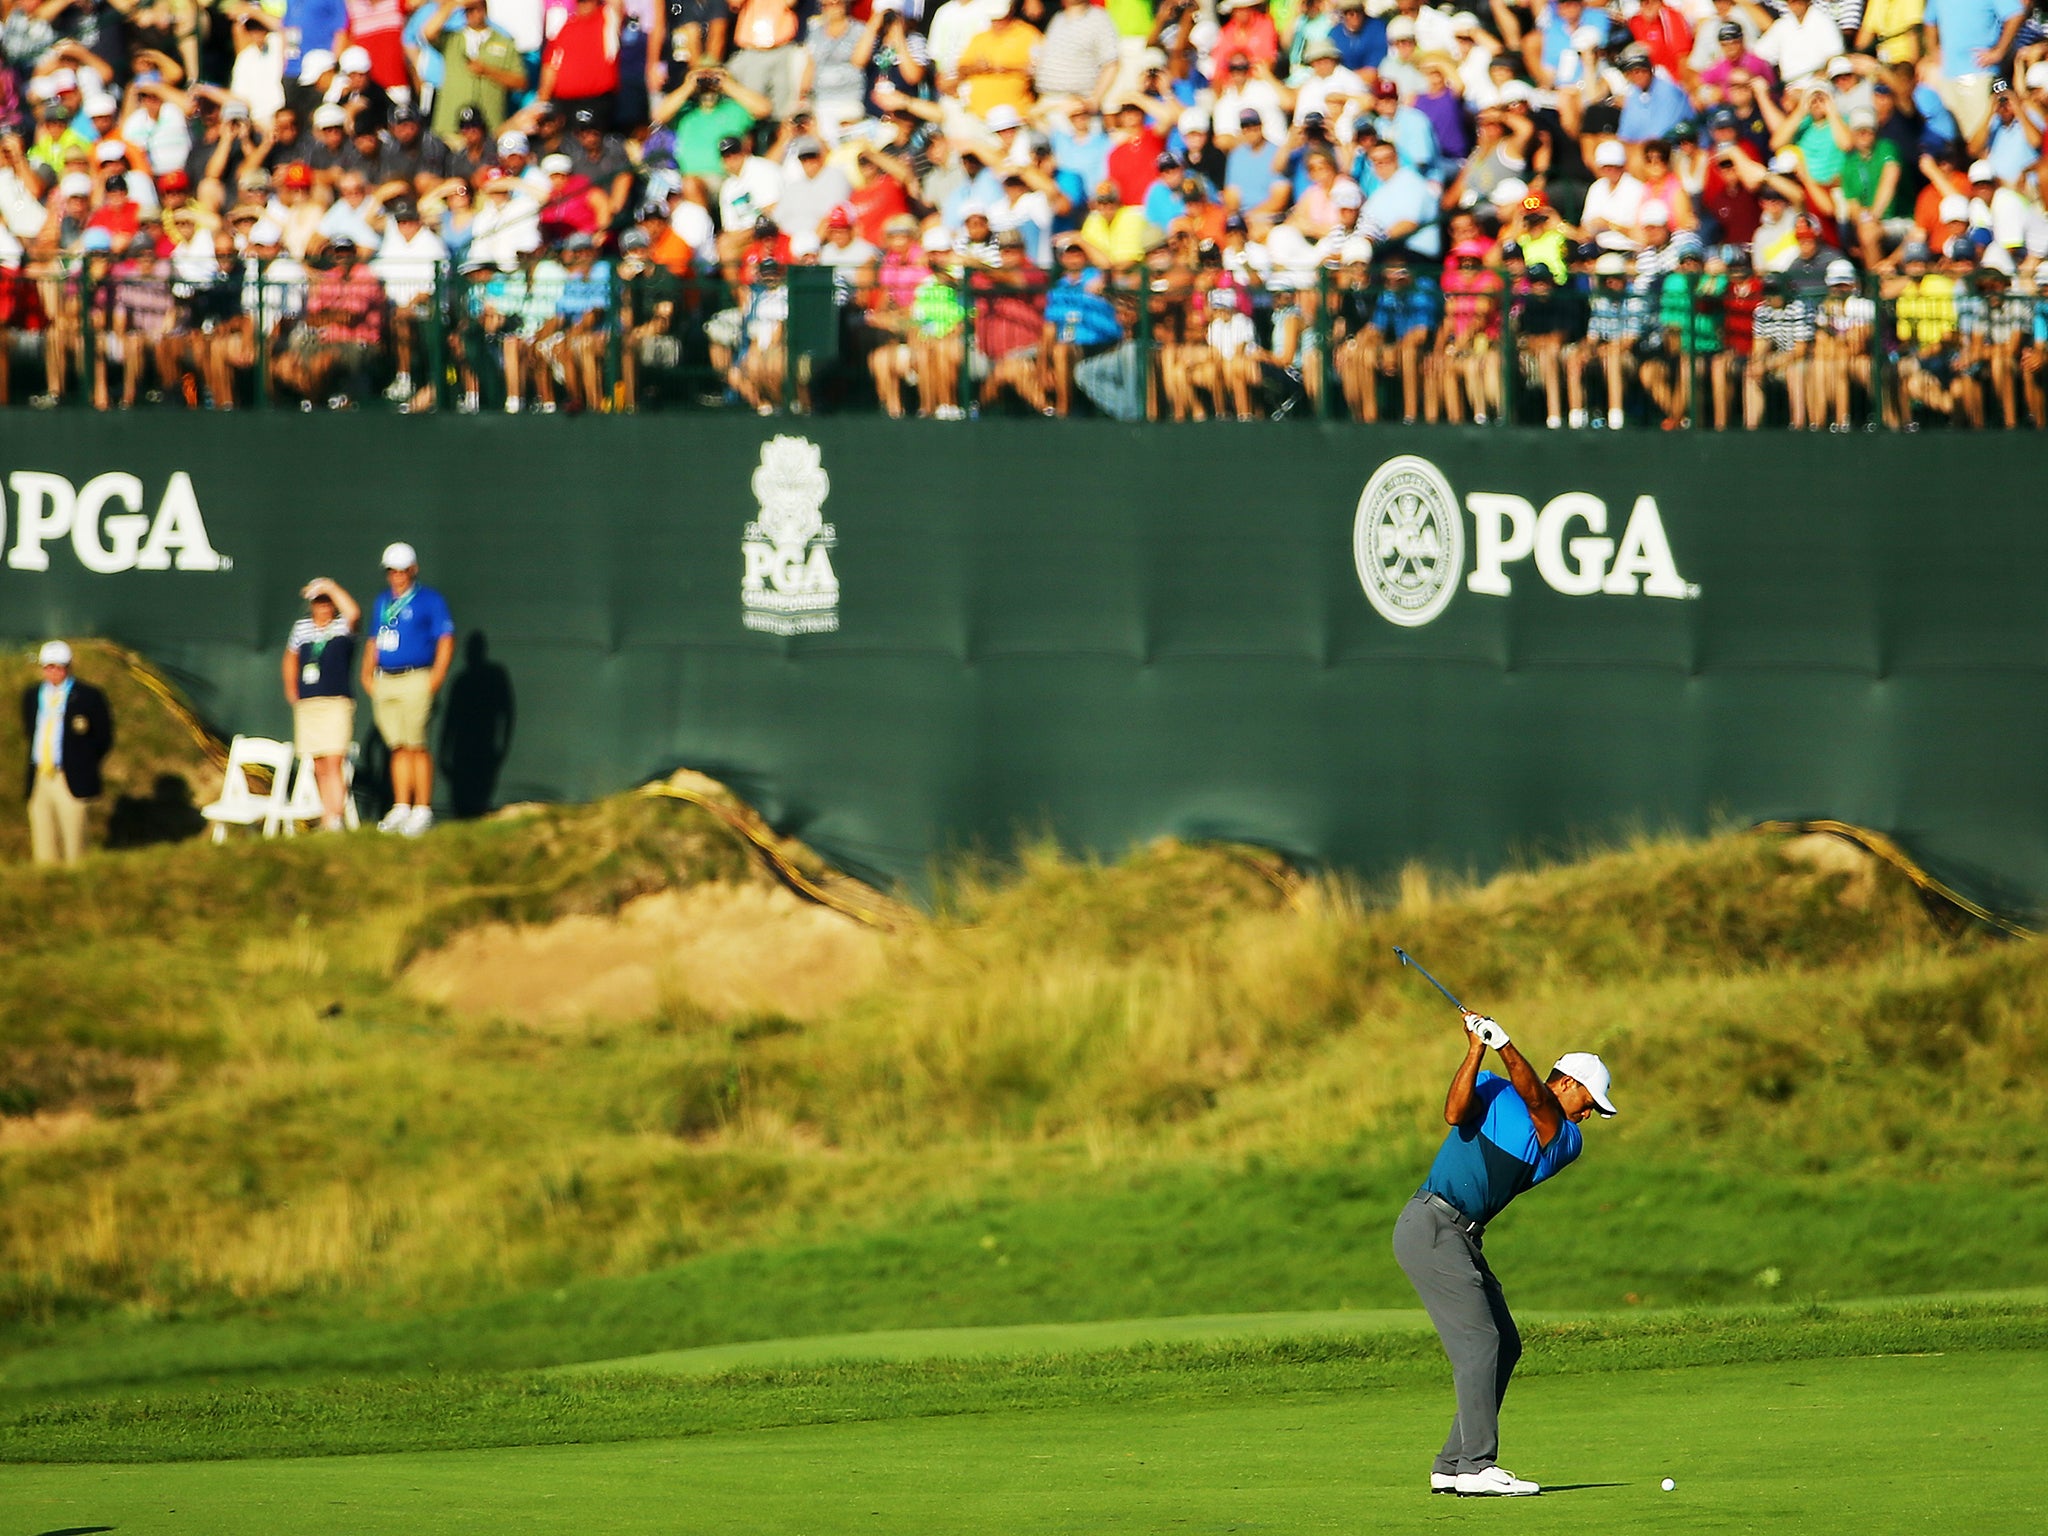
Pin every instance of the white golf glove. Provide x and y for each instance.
(1490, 1034)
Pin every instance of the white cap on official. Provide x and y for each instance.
(55, 653)
(400, 557)
(1590, 1073)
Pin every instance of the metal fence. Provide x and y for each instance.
(1680, 349)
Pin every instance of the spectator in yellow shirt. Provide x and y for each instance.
(1114, 233)
(1891, 30)
(995, 68)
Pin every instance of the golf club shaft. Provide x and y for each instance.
(1408, 959)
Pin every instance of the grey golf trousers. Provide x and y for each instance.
(1450, 1274)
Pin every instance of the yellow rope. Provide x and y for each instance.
(1884, 848)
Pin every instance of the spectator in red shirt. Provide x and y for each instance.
(1134, 157)
(580, 69)
(1009, 319)
(1659, 28)
(118, 215)
(573, 205)
(342, 335)
(1249, 31)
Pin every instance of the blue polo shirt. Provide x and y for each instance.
(1483, 1166)
(408, 628)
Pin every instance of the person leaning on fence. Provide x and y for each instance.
(402, 673)
(319, 681)
(69, 730)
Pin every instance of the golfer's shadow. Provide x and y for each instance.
(78, 1530)
(1548, 1488)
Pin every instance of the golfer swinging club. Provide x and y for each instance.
(1507, 1134)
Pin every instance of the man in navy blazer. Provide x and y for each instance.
(69, 731)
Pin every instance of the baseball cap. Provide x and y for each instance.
(806, 148)
(1687, 245)
(1806, 224)
(1610, 153)
(558, 165)
(1591, 1074)
(1723, 118)
(579, 241)
(1840, 65)
(101, 105)
(471, 117)
(97, 238)
(1841, 272)
(583, 117)
(328, 115)
(729, 145)
(1399, 28)
(342, 243)
(107, 151)
(1516, 90)
(403, 113)
(1386, 90)
(55, 653)
(839, 218)
(1249, 117)
(1982, 170)
(1862, 117)
(1612, 264)
(1509, 191)
(314, 63)
(1729, 32)
(1002, 119)
(1319, 50)
(404, 210)
(355, 61)
(1346, 195)
(77, 184)
(514, 143)
(1194, 120)
(1915, 250)
(403, 557)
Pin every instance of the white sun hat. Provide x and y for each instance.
(1590, 1073)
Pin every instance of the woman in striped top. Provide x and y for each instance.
(319, 662)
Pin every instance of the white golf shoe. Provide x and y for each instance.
(395, 819)
(1494, 1483)
(1443, 1482)
(418, 823)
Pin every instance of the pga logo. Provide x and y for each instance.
(105, 524)
(1408, 540)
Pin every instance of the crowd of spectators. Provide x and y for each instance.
(1823, 212)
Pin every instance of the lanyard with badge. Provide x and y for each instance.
(387, 628)
(309, 669)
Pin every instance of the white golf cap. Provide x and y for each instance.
(1840, 65)
(1346, 195)
(1610, 153)
(2037, 76)
(355, 61)
(1590, 1073)
(314, 63)
(329, 115)
(557, 165)
(1983, 170)
(1840, 272)
(1003, 118)
(55, 653)
(400, 557)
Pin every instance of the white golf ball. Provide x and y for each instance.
(1669, 1485)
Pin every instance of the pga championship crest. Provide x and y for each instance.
(788, 586)
(1408, 540)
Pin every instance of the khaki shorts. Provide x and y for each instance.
(400, 703)
(323, 727)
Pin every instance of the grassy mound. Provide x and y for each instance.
(1177, 1083)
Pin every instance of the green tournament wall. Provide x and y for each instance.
(1118, 632)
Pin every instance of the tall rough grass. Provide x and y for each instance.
(312, 1129)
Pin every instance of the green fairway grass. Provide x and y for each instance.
(1863, 1446)
(458, 1410)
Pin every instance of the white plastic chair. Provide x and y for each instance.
(239, 805)
(305, 802)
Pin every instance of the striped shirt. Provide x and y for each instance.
(1079, 45)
